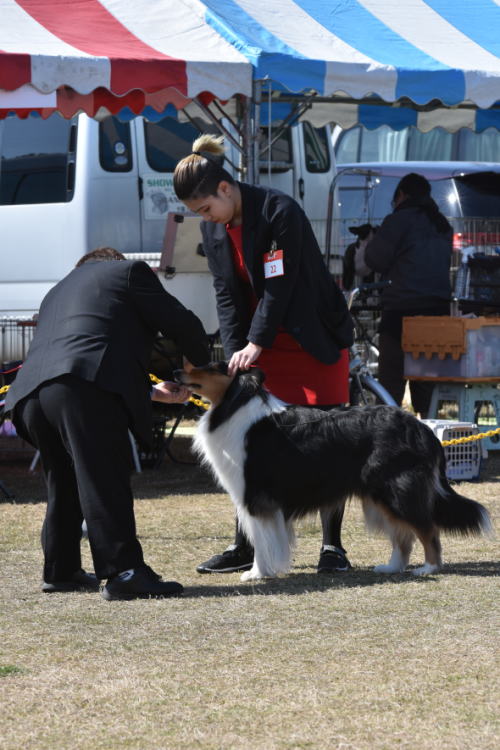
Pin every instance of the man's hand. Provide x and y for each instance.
(244, 358)
(170, 393)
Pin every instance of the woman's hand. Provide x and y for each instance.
(170, 393)
(244, 358)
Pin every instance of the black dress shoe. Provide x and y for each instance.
(333, 560)
(233, 559)
(144, 583)
(79, 581)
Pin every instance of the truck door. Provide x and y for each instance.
(317, 170)
(279, 166)
(111, 180)
(160, 145)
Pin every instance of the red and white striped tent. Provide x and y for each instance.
(83, 55)
(73, 55)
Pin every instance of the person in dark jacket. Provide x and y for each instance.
(411, 249)
(83, 385)
(277, 305)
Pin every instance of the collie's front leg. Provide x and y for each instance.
(271, 542)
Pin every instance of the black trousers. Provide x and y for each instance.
(391, 357)
(331, 521)
(81, 432)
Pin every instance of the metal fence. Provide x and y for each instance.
(472, 235)
(15, 338)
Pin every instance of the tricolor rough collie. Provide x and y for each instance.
(279, 462)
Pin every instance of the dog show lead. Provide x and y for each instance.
(277, 305)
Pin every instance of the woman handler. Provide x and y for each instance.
(277, 304)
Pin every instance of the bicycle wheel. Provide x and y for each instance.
(364, 390)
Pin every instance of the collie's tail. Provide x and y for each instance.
(458, 514)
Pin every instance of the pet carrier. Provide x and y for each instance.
(463, 461)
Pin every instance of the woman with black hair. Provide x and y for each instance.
(277, 304)
(411, 249)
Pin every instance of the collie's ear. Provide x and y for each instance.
(186, 364)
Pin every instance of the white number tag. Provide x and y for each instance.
(273, 264)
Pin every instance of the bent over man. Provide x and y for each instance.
(83, 385)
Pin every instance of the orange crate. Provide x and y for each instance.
(451, 348)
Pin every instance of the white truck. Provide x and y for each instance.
(68, 186)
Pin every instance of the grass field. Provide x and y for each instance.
(357, 661)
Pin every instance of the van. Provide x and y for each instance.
(68, 186)
(467, 193)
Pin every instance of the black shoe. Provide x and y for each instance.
(142, 584)
(79, 581)
(332, 560)
(233, 559)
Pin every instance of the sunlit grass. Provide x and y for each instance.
(357, 661)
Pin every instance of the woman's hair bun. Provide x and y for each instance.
(212, 145)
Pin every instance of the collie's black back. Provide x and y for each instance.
(301, 459)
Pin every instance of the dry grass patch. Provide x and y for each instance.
(358, 661)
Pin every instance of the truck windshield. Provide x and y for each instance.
(37, 164)
(479, 194)
(368, 199)
(168, 141)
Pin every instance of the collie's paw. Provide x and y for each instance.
(388, 569)
(425, 570)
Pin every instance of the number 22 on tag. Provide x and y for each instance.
(273, 264)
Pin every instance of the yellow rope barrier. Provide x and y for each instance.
(191, 399)
(204, 405)
(471, 438)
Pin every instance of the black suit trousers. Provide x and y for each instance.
(81, 432)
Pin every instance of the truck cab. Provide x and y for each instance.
(68, 186)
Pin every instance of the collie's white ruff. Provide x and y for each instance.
(223, 449)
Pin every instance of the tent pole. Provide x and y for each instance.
(257, 98)
(251, 131)
(247, 141)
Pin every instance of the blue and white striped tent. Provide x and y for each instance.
(137, 53)
(423, 50)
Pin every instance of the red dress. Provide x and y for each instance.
(293, 374)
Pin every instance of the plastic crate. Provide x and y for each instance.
(479, 282)
(463, 461)
(450, 348)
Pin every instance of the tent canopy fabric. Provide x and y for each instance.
(89, 54)
(372, 116)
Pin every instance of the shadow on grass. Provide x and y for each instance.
(486, 568)
(300, 583)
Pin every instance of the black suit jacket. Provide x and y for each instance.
(99, 323)
(305, 300)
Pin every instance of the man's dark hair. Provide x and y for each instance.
(101, 253)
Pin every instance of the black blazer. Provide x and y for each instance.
(305, 300)
(99, 323)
